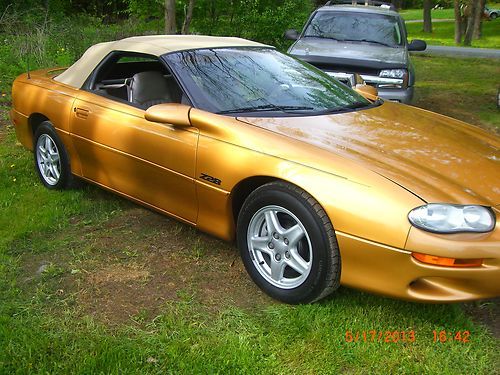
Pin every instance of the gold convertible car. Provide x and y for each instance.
(319, 184)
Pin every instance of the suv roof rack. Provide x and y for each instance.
(381, 4)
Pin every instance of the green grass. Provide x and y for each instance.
(449, 13)
(278, 339)
(443, 34)
(417, 14)
(461, 88)
(42, 332)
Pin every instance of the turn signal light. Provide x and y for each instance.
(447, 262)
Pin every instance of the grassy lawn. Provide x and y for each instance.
(417, 14)
(90, 283)
(443, 34)
(460, 88)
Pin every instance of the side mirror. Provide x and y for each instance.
(369, 92)
(417, 45)
(292, 34)
(169, 113)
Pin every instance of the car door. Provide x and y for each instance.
(147, 161)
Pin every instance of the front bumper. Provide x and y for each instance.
(394, 272)
(388, 88)
(398, 95)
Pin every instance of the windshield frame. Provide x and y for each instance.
(399, 19)
(278, 112)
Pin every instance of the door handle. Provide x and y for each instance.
(81, 112)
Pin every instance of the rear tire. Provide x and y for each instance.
(287, 244)
(51, 159)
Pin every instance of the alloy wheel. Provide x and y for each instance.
(48, 159)
(280, 247)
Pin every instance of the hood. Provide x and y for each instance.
(310, 49)
(437, 158)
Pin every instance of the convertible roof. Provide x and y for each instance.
(155, 45)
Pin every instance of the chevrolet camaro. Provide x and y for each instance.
(319, 184)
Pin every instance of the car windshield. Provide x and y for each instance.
(238, 80)
(356, 27)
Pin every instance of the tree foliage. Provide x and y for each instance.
(261, 20)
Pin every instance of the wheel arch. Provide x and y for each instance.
(242, 190)
(245, 187)
(34, 120)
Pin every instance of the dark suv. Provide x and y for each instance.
(368, 40)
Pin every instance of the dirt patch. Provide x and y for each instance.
(118, 273)
(446, 104)
(487, 313)
(3, 125)
(137, 262)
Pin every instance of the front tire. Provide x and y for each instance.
(51, 159)
(287, 244)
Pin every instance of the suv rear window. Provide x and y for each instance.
(356, 27)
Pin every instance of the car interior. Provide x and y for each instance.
(136, 79)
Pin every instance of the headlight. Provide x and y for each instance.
(393, 73)
(452, 218)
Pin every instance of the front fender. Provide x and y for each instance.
(358, 202)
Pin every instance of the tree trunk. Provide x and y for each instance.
(397, 3)
(427, 16)
(170, 27)
(213, 15)
(458, 22)
(478, 19)
(471, 13)
(188, 17)
(233, 11)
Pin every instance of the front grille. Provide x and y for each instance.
(347, 69)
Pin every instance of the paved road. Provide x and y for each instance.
(460, 51)
(436, 20)
(456, 51)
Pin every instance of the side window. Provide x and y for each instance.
(397, 34)
(140, 80)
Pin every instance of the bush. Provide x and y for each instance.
(47, 41)
(47, 38)
(255, 20)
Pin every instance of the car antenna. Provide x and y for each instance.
(28, 52)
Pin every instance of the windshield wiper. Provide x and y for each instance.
(324, 37)
(369, 41)
(265, 108)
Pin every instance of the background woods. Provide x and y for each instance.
(47, 33)
(57, 32)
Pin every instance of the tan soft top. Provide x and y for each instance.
(155, 45)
